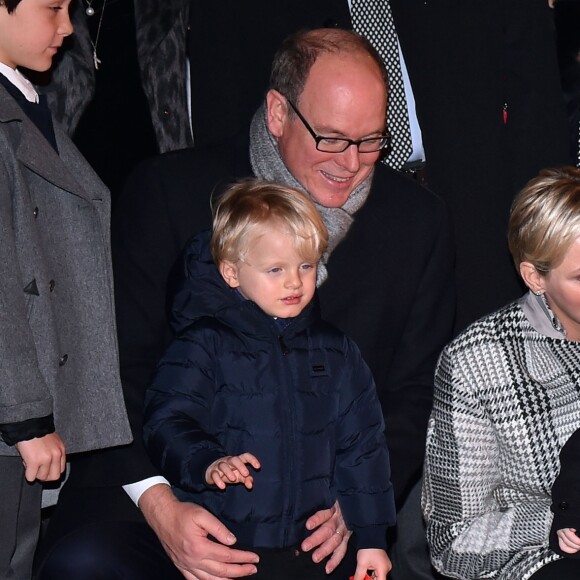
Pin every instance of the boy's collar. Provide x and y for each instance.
(20, 82)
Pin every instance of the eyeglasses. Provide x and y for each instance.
(338, 144)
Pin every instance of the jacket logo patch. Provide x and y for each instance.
(318, 371)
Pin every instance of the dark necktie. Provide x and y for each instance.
(38, 113)
(373, 19)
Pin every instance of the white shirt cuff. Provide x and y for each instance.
(137, 489)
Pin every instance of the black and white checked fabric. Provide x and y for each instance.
(373, 19)
(578, 149)
(506, 400)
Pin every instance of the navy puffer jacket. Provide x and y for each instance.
(301, 400)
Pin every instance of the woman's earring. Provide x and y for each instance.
(538, 292)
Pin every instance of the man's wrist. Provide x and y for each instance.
(155, 505)
(137, 489)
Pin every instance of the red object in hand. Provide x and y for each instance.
(367, 577)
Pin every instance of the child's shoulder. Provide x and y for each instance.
(203, 325)
(329, 335)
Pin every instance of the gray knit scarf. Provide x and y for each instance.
(268, 165)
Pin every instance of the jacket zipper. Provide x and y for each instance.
(290, 443)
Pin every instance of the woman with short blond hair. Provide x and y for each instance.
(507, 397)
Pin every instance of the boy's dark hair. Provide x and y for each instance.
(10, 4)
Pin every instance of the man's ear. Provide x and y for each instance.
(229, 272)
(276, 112)
(533, 279)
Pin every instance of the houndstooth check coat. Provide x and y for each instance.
(507, 398)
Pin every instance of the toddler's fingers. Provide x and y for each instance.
(238, 464)
(229, 471)
(216, 478)
(251, 459)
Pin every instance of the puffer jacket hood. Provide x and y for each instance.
(205, 293)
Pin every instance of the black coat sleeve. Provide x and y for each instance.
(566, 493)
(406, 392)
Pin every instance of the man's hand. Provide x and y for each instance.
(232, 469)
(182, 529)
(44, 458)
(330, 537)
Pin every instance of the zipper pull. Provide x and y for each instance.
(283, 346)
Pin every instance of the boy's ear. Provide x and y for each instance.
(229, 272)
(532, 278)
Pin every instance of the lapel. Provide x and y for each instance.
(34, 151)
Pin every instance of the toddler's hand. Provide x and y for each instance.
(232, 469)
(44, 458)
(568, 540)
(372, 559)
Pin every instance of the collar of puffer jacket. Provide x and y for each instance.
(203, 293)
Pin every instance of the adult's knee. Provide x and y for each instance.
(108, 551)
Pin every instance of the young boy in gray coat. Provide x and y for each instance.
(60, 389)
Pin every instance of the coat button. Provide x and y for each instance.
(563, 505)
(51, 285)
(63, 360)
(166, 112)
(35, 212)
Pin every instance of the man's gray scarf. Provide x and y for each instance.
(268, 165)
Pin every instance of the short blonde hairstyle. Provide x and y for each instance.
(249, 207)
(545, 219)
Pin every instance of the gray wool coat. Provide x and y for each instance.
(58, 349)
